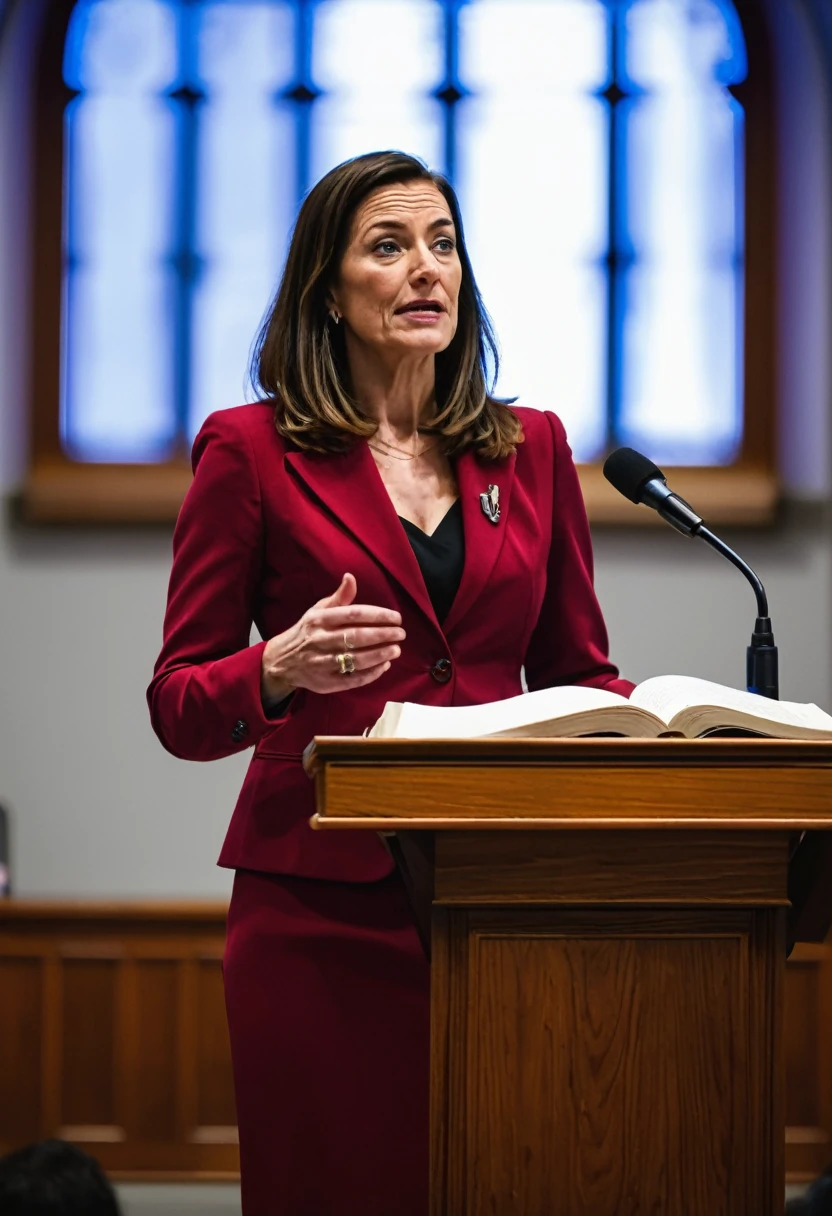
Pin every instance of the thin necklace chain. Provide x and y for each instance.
(394, 453)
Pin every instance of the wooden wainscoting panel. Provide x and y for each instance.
(808, 1022)
(140, 985)
(113, 1035)
(216, 1116)
(802, 1011)
(154, 1002)
(21, 1031)
(89, 1106)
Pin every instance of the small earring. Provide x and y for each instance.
(335, 316)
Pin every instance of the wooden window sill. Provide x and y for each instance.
(740, 495)
(61, 492)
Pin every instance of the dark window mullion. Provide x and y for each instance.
(451, 90)
(71, 260)
(738, 257)
(303, 93)
(617, 94)
(186, 96)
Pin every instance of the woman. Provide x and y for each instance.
(395, 533)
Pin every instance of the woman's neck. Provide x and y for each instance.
(399, 396)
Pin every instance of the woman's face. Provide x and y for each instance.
(398, 286)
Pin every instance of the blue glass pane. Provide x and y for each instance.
(532, 177)
(117, 387)
(246, 189)
(682, 381)
(377, 61)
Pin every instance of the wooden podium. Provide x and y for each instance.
(609, 922)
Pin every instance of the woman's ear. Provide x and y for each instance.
(332, 308)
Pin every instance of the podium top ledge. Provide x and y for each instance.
(666, 752)
(497, 784)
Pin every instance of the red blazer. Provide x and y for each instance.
(266, 530)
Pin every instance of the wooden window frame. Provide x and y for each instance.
(57, 489)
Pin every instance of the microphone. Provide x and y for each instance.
(638, 479)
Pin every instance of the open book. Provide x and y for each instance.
(664, 705)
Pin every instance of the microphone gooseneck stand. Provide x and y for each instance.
(761, 663)
(637, 478)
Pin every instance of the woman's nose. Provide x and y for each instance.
(425, 264)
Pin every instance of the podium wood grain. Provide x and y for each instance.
(608, 947)
(586, 1067)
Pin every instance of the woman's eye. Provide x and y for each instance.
(387, 247)
(446, 245)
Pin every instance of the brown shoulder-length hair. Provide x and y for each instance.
(300, 359)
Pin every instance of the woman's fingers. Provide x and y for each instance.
(364, 637)
(306, 655)
(359, 678)
(362, 660)
(357, 627)
(345, 617)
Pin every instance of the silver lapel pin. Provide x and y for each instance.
(490, 504)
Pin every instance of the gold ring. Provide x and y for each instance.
(346, 664)
(347, 644)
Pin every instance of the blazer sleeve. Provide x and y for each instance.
(204, 698)
(569, 644)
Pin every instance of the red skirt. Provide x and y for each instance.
(327, 993)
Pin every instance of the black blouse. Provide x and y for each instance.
(441, 557)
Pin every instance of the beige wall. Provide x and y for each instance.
(100, 810)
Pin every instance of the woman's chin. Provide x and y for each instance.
(422, 341)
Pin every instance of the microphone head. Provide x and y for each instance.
(629, 472)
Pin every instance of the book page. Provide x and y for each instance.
(667, 696)
(386, 727)
(475, 721)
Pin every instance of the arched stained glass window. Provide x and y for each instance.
(598, 147)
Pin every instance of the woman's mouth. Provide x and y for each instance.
(424, 311)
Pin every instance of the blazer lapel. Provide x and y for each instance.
(348, 485)
(483, 539)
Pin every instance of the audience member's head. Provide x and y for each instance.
(819, 1195)
(818, 1199)
(54, 1178)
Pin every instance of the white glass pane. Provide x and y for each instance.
(246, 189)
(682, 384)
(117, 390)
(532, 178)
(377, 62)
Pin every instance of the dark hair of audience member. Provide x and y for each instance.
(818, 1198)
(54, 1178)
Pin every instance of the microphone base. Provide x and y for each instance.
(762, 670)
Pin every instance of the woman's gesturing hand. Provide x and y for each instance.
(305, 656)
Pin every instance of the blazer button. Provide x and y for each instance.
(240, 731)
(442, 671)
